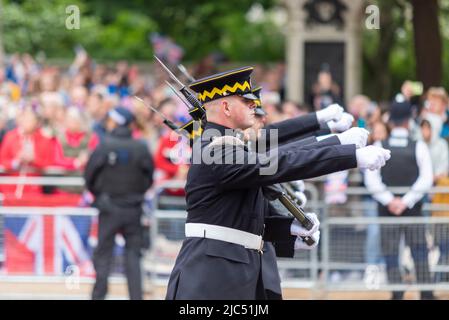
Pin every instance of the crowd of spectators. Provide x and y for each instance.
(53, 117)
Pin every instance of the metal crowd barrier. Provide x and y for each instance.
(167, 232)
(24, 213)
(346, 261)
(28, 226)
(342, 262)
(355, 246)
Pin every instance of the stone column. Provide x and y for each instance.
(295, 50)
(354, 25)
(298, 33)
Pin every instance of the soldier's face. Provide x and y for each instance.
(254, 132)
(241, 111)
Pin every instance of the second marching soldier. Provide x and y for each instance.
(304, 130)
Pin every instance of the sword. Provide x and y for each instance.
(171, 75)
(178, 95)
(185, 72)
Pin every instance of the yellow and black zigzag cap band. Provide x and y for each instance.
(259, 110)
(192, 129)
(226, 90)
(256, 92)
(234, 82)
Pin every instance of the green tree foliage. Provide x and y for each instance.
(388, 53)
(444, 27)
(388, 57)
(263, 41)
(204, 26)
(34, 26)
(125, 37)
(40, 26)
(117, 29)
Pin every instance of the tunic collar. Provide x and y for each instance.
(220, 130)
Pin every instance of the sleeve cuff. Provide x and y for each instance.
(278, 229)
(285, 249)
(327, 136)
(348, 151)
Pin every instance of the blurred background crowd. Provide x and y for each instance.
(62, 112)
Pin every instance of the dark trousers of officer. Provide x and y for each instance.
(415, 238)
(127, 222)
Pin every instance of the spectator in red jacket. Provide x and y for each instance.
(25, 151)
(74, 144)
(72, 147)
(171, 160)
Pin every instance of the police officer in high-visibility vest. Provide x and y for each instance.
(118, 173)
(410, 166)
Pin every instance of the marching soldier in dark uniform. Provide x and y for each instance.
(221, 255)
(118, 173)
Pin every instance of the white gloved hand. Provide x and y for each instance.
(302, 198)
(343, 124)
(298, 230)
(332, 112)
(372, 157)
(357, 136)
(301, 245)
(299, 185)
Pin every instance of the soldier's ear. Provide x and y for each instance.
(226, 109)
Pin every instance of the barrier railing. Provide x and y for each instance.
(323, 269)
(346, 263)
(342, 261)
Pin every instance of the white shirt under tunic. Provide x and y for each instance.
(378, 189)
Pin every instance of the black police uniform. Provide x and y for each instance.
(118, 173)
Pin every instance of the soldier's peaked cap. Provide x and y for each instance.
(259, 110)
(233, 82)
(256, 92)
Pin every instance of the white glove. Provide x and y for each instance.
(357, 136)
(302, 198)
(300, 244)
(332, 112)
(343, 124)
(299, 184)
(372, 157)
(298, 230)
